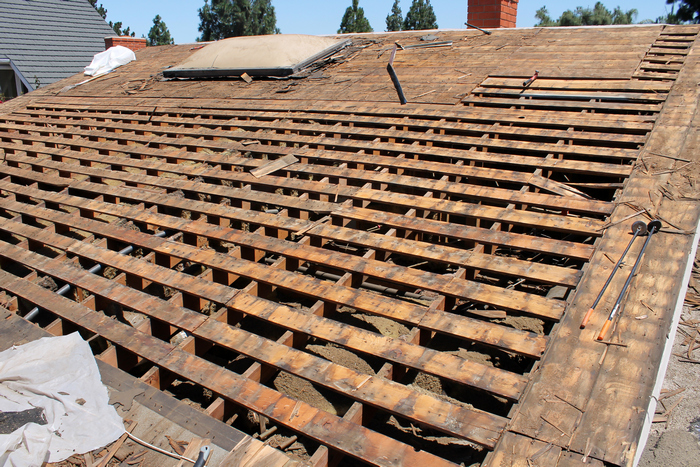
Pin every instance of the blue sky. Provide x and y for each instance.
(323, 16)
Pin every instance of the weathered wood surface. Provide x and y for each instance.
(309, 420)
(468, 328)
(457, 214)
(476, 426)
(592, 398)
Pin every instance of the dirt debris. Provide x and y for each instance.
(342, 357)
(47, 283)
(302, 390)
(523, 323)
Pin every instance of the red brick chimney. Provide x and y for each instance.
(133, 43)
(492, 13)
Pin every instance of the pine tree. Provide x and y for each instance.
(420, 16)
(100, 9)
(354, 20)
(231, 18)
(394, 20)
(159, 33)
(117, 27)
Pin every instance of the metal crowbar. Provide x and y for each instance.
(638, 228)
(653, 227)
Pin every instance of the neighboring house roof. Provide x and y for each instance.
(398, 284)
(48, 40)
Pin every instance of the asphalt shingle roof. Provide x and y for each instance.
(49, 40)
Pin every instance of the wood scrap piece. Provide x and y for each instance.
(274, 166)
(555, 187)
(117, 444)
(134, 459)
(192, 451)
(178, 446)
(251, 452)
(666, 395)
(322, 220)
(246, 77)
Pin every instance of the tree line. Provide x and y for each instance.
(219, 19)
(158, 34)
(682, 11)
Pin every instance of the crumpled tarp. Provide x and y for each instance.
(112, 58)
(59, 375)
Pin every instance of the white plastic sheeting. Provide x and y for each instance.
(112, 58)
(60, 375)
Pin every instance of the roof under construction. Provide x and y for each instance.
(391, 284)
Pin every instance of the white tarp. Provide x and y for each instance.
(112, 58)
(60, 375)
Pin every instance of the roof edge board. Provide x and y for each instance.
(668, 349)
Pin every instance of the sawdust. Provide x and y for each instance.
(302, 390)
(127, 224)
(429, 383)
(47, 283)
(523, 323)
(341, 357)
(477, 357)
(384, 326)
(110, 272)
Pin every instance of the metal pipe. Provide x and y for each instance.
(638, 228)
(653, 227)
(34, 312)
(477, 27)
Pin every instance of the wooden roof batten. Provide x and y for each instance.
(421, 270)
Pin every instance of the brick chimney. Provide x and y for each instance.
(133, 43)
(492, 13)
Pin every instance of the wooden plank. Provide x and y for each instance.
(183, 185)
(559, 188)
(542, 220)
(346, 111)
(490, 334)
(274, 166)
(568, 105)
(448, 255)
(606, 390)
(450, 286)
(479, 427)
(487, 333)
(483, 121)
(307, 420)
(354, 139)
(508, 239)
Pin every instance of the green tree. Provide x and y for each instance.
(354, 20)
(598, 15)
(117, 27)
(159, 33)
(232, 18)
(544, 19)
(394, 20)
(420, 16)
(100, 9)
(688, 11)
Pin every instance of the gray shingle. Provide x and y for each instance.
(51, 39)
